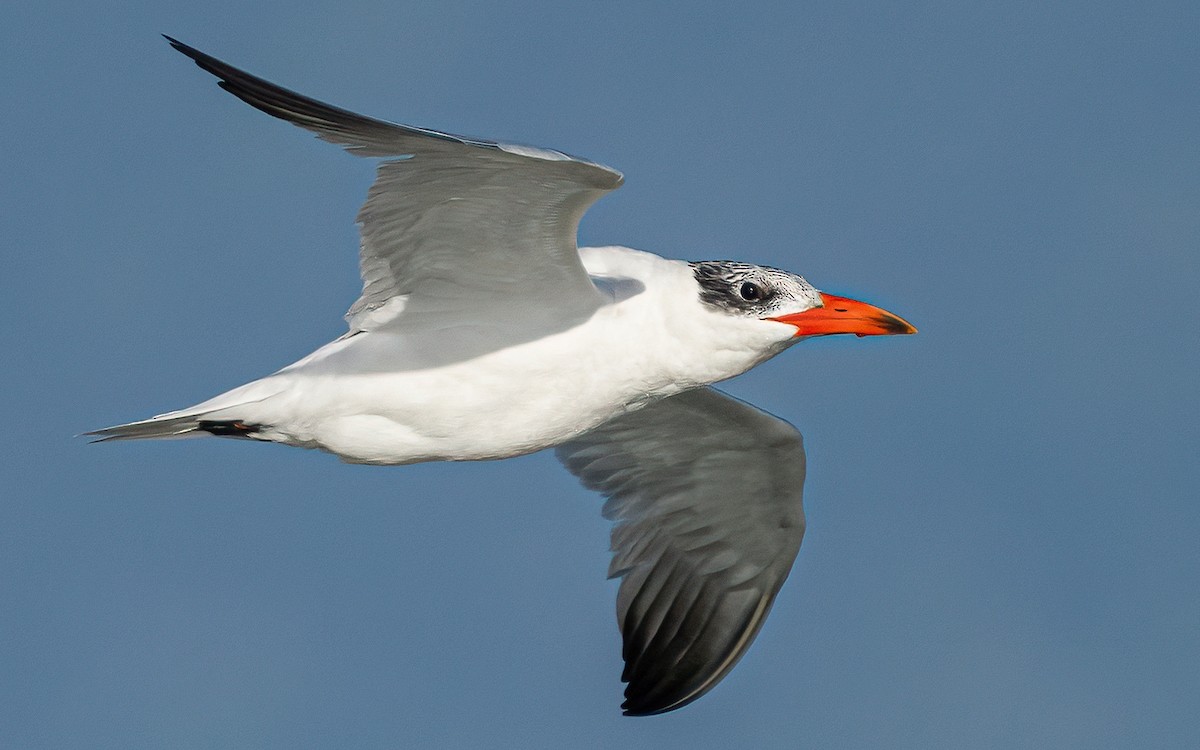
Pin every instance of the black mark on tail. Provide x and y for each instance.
(228, 428)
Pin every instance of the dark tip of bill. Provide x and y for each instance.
(895, 325)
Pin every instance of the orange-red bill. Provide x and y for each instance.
(845, 315)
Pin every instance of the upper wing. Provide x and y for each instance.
(454, 225)
(706, 492)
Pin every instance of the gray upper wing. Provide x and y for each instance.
(451, 225)
(706, 493)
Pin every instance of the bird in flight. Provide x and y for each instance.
(484, 332)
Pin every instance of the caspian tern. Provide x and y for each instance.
(483, 332)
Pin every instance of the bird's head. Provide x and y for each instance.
(765, 293)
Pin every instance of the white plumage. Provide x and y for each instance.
(483, 332)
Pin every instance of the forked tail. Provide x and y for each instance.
(235, 413)
(174, 427)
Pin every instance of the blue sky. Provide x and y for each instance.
(1002, 510)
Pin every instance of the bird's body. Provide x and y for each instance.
(482, 332)
(399, 395)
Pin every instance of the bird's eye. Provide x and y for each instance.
(750, 292)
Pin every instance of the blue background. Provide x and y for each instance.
(1003, 516)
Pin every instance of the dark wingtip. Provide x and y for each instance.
(636, 708)
(627, 710)
(188, 50)
(203, 61)
(178, 44)
(632, 708)
(643, 701)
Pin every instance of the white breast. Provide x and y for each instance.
(432, 393)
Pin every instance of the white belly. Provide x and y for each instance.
(504, 403)
(425, 393)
